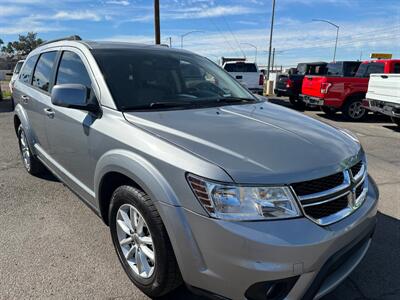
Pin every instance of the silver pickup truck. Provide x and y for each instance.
(384, 95)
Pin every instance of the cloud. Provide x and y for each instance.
(188, 13)
(7, 11)
(76, 15)
(118, 2)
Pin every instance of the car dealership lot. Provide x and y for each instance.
(52, 245)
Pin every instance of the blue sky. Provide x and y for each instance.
(226, 26)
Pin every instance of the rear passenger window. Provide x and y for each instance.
(375, 68)
(44, 70)
(26, 72)
(396, 68)
(72, 70)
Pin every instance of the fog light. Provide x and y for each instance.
(271, 290)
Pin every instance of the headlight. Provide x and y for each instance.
(234, 202)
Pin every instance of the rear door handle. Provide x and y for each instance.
(384, 76)
(49, 112)
(25, 99)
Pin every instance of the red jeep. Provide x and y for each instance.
(345, 93)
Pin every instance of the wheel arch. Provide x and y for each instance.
(119, 167)
(355, 95)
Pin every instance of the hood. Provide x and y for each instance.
(255, 143)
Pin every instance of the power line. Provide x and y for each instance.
(230, 30)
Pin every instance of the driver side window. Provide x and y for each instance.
(72, 70)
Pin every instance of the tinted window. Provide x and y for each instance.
(311, 69)
(155, 79)
(335, 69)
(17, 67)
(362, 70)
(44, 70)
(72, 70)
(26, 73)
(396, 68)
(375, 68)
(350, 68)
(241, 67)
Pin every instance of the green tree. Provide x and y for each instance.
(24, 45)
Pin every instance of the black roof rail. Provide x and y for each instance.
(67, 38)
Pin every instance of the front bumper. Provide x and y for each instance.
(309, 100)
(226, 258)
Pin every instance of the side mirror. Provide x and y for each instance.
(72, 96)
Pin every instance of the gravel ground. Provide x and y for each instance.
(53, 246)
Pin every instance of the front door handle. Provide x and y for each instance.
(25, 99)
(49, 112)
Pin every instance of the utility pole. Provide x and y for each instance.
(273, 59)
(170, 42)
(157, 22)
(270, 38)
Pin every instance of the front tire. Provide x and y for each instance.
(31, 163)
(142, 243)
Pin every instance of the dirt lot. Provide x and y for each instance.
(53, 246)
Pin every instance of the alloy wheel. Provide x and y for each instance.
(356, 111)
(135, 241)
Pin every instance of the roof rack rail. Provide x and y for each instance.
(67, 38)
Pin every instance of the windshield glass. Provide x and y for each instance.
(158, 78)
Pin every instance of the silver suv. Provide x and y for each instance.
(198, 180)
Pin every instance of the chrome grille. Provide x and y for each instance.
(329, 199)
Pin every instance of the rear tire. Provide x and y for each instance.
(148, 258)
(396, 121)
(297, 103)
(330, 111)
(353, 110)
(30, 161)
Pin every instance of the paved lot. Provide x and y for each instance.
(53, 246)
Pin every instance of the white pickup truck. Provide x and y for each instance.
(384, 95)
(247, 74)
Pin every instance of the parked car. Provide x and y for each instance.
(383, 95)
(195, 177)
(247, 74)
(15, 74)
(14, 77)
(290, 86)
(345, 93)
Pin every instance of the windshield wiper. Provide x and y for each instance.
(159, 104)
(235, 99)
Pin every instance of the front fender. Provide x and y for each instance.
(139, 170)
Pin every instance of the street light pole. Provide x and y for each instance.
(187, 33)
(270, 37)
(255, 47)
(157, 22)
(337, 34)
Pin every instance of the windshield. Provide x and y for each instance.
(142, 79)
